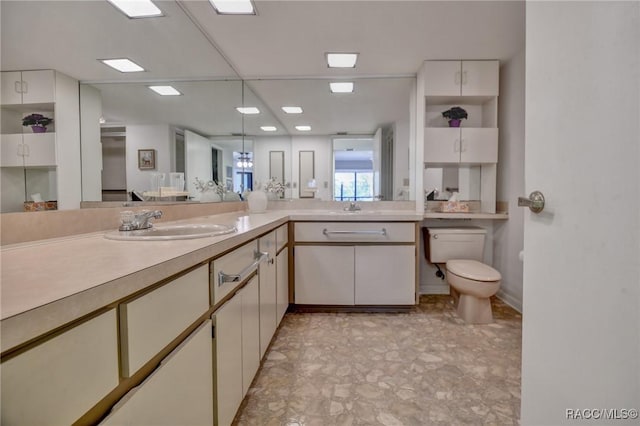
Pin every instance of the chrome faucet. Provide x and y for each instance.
(353, 207)
(132, 221)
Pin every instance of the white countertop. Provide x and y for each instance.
(49, 283)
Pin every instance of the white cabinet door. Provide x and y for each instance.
(385, 275)
(11, 149)
(480, 78)
(57, 381)
(442, 145)
(267, 272)
(11, 86)
(324, 275)
(282, 283)
(228, 360)
(250, 295)
(179, 392)
(39, 149)
(38, 87)
(150, 322)
(442, 78)
(479, 145)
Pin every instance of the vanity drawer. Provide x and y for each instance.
(151, 321)
(57, 381)
(241, 262)
(378, 232)
(282, 237)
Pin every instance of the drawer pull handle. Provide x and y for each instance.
(258, 258)
(328, 233)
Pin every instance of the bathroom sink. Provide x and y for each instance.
(347, 212)
(172, 232)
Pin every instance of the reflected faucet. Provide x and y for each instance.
(353, 207)
(132, 221)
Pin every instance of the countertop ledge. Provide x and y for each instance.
(49, 283)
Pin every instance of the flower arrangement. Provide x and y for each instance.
(455, 115)
(38, 122)
(275, 187)
(205, 186)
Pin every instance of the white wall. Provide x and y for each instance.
(509, 234)
(67, 116)
(158, 137)
(261, 147)
(581, 321)
(323, 158)
(91, 108)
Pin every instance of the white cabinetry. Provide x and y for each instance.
(473, 86)
(58, 380)
(324, 275)
(461, 145)
(178, 392)
(353, 263)
(50, 159)
(282, 271)
(151, 321)
(236, 356)
(267, 272)
(461, 78)
(27, 87)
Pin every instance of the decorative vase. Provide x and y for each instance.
(38, 129)
(210, 197)
(272, 196)
(454, 122)
(257, 201)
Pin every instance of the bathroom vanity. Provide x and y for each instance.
(131, 332)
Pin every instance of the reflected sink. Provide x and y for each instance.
(172, 232)
(345, 212)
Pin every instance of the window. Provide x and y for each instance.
(353, 186)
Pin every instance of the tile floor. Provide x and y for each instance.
(425, 367)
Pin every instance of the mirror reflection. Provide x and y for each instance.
(201, 134)
(440, 183)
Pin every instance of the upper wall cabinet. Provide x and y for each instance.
(461, 78)
(28, 87)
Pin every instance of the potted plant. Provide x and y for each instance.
(38, 122)
(455, 116)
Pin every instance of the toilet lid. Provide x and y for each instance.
(473, 270)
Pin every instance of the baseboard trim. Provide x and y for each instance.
(510, 300)
(434, 289)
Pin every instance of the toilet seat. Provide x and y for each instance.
(473, 270)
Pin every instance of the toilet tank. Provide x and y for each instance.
(455, 243)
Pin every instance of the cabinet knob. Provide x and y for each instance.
(535, 202)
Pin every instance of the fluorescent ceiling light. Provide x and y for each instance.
(269, 128)
(342, 87)
(292, 109)
(123, 65)
(342, 60)
(233, 7)
(137, 8)
(165, 90)
(248, 110)
(303, 128)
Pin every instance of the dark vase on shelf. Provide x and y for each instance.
(454, 122)
(38, 129)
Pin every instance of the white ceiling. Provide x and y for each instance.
(285, 40)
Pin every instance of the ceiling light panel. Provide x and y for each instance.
(342, 60)
(303, 128)
(292, 109)
(341, 87)
(233, 7)
(165, 90)
(122, 65)
(269, 128)
(137, 8)
(248, 110)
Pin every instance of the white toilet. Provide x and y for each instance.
(472, 282)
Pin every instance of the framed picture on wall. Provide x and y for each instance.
(146, 159)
